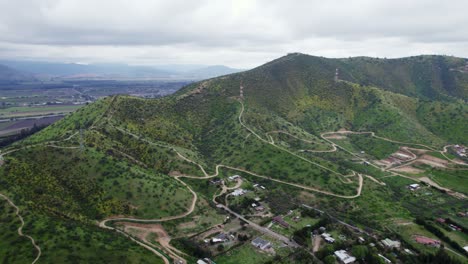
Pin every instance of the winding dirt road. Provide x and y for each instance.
(20, 229)
(270, 141)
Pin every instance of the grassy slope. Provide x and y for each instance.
(294, 94)
(13, 248)
(65, 241)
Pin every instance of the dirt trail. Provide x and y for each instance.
(166, 261)
(47, 143)
(444, 151)
(316, 245)
(375, 180)
(155, 220)
(161, 237)
(333, 149)
(280, 148)
(428, 160)
(407, 168)
(20, 229)
(103, 223)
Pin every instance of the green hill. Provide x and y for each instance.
(114, 157)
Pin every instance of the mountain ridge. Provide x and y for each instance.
(115, 70)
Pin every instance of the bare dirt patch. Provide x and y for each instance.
(212, 231)
(432, 161)
(175, 173)
(450, 192)
(335, 136)
(306, 195)
(142, 231)
(187, 225)
(408, 169)
(417, 151)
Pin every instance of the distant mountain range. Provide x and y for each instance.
(29, 70)
(8, 75)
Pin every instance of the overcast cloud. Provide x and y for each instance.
(243, 33)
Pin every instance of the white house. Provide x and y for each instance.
(388, 243)
(328, 238)
(344, 257)
(261, 243)
(233, 178)
(238, 192)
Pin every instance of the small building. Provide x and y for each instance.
(344, 257)
(427, 241)
(465, 248)
(413, 186)
(205, 261)
(220, 238)
(234, 177)
(261, 243)
(328, 238)
(216, 181)
(238, 192)
(388, 243)
(440, 220)
(361, 240)
(460, 150)
(259, 208)
(263, 187)
(280, 221)
(462, 214)
(386, 260)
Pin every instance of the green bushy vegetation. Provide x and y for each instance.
(130, 144)
(13, 247)
(66, 241)
(89, 184)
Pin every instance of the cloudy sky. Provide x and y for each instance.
(242, 33)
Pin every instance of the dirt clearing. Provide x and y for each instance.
(408, 169)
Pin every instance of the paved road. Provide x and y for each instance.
(337, 220)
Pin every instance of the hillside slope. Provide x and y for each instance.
(124, 155)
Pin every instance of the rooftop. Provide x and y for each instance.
(260, 243)
(390, 243)
(344, 257)
(426, 240)
(278, 219)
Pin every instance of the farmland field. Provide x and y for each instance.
(25, 111)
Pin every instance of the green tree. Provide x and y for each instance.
(330, 259)
(359, 251)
